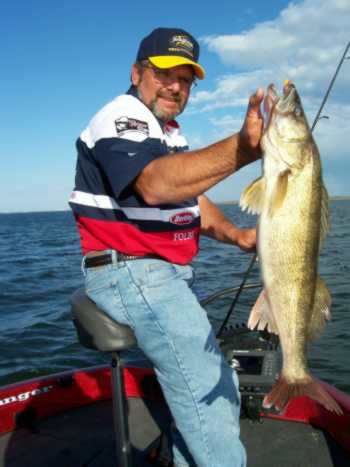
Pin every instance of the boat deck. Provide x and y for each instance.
(85, 437)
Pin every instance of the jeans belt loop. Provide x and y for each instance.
(83, 266)
(114, 256)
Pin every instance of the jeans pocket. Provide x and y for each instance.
(97, 279)
(102, 287)
(186, 273)
(159, 272)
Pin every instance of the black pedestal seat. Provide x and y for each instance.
(96, 330)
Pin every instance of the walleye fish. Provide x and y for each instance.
(293, 205)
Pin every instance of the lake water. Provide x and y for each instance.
(40, 268)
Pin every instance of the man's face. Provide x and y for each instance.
(164, 91)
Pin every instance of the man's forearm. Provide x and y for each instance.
(177, 177)
(215, 225)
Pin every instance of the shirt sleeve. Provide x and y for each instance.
(122, 160)
(123, 137)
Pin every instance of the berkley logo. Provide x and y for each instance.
(182, 218)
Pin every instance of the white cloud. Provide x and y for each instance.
(231, 91)
(304, 43)
(331, 135)
(312, 30)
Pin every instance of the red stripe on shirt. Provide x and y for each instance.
(177, 247)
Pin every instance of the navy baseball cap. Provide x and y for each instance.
(168, 47)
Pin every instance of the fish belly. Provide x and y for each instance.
(288, 249)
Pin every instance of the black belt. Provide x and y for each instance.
(103, 260)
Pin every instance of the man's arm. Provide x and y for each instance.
(215, 225)
(176, 177)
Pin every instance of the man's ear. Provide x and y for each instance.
(135, 74)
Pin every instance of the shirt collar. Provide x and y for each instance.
(132, 91)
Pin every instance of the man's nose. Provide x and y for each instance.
(174, 84)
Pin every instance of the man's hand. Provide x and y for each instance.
(215, 225)
(246, 239)
(252, 129)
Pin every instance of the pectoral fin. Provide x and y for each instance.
(321, 310)
(278, 193)
(253, 196)
(261, 316)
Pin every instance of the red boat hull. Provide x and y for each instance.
(50, 395)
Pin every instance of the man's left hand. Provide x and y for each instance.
(246, 240)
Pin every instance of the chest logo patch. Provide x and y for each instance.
(125, 124)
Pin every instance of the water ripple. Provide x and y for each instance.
(40, 268)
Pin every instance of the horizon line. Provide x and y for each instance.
(331, 198)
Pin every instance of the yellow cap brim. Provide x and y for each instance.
(170, 61)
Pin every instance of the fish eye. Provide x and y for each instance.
(298, 112)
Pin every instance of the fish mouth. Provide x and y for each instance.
(282, 103)
(270, 100)
(289, 99)
(279, 104)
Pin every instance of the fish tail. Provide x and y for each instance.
(282, 392)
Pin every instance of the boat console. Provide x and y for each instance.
(255, 357)
(256, 370)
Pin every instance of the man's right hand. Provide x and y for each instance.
(253, 126)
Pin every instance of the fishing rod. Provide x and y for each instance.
(318, 116)
(235, 300)
(254, 258)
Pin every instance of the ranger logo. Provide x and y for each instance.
(25, 395)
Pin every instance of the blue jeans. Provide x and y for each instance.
(154, 299)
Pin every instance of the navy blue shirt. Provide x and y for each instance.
(121, 139)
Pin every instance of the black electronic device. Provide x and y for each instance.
(257, 370)
(256, 358)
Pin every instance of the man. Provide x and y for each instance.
(140, 206)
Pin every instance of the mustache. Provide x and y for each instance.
(170, 95)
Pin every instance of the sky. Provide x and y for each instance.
(62, 61)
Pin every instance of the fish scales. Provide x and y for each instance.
(288, 248)
(293, 206)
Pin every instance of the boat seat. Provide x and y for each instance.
(95, 329)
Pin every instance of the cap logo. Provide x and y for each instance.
(181, 43)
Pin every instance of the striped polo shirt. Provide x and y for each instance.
(121, 139)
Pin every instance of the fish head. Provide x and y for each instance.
(287, 126)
